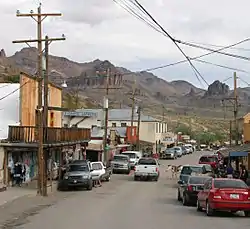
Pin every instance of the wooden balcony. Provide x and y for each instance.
(52, 135)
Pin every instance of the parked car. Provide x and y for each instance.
(189, 170)
(187, 192)
(184, 150)
(170, 153)
(147, 168)
(78, 175)
(121, 163)
(134, 157)
(178, 149)
(189, 148)
(222, 194)
(100, 171)
(210, 159)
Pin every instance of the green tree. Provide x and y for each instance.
(183, 129)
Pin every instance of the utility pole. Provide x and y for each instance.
(138, 128)
(236, 110)
(106, 111)
(39, 17)
(230, 132)
(132, 110)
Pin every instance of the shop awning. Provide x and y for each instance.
(236, 150)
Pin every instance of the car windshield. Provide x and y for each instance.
(188, 170)
(197, 180)
(177, 148)
(120, 158)
(147, 162)
(170, 150)
(229, 184)
(131, 155)
(208, 159)
(78, 168)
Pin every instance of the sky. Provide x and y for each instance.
(102, 29)
(9, 107)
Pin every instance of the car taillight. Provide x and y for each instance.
(156, 170)
(216, 194)
(190, 188)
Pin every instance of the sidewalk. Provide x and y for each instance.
(14, 193)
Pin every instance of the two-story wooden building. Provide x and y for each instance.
(22, 142)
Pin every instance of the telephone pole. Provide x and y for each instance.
(132, 110)
(138, 128)
(106, 111)
(39, 17)
(235, 105)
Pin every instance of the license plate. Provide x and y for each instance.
(75, 181)
(234, 196)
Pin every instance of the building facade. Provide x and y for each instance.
(29, 99)
(151, 130)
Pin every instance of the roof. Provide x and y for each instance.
(113, 115)
(98, 132)
(241, 148)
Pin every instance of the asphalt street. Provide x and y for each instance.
(123, 203)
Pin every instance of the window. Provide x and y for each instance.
(197, 180)
(208, 159)
(113, 124)
(147, 162)
(229, 184)
(123, 124)
(96, 166)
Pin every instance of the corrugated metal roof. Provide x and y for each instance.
(241, 148)
(98, 132)
(114, 114)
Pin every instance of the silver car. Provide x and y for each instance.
(170, 154)
(121, 164)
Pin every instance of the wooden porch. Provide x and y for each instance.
(51, 135)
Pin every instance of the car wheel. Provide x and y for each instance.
(90, 186)
(209, 210)
(179, 195)
(198, 207)
(247, 213)
(185, 200)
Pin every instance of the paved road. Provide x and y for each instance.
(123, 204)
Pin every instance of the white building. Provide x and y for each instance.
(151, 130)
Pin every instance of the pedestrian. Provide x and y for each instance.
(18, 174)
(229, 171)
(244, 174)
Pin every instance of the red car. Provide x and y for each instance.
(221, 194)
(209, 159)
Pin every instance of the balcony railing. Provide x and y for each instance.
(28, 134)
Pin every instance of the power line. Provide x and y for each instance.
(14, 91)
(194, 45)
(196, 72)
(218, 46)
(221, 66)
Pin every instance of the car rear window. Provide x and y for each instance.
(188, 170)
(229, 184)
(208, 159)
(147, 161)
(197, 180)
(131, 155)
(120, 158)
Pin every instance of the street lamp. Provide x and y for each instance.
(64, 84)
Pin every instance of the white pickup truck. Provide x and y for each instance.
(147, 168)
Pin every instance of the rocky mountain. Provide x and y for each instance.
(87, 81)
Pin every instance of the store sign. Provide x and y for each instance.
(80, 114)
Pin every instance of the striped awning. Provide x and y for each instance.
(235, 150)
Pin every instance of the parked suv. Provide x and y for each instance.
(78, 175)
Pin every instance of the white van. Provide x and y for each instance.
(134, 157)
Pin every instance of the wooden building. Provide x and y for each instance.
(22, 142)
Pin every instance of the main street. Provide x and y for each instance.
(123, 204)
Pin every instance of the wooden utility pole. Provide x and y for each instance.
(39, 17)
(138, 128)
(132, 110)
(106, 111)
(230, 132)
(236, 110)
